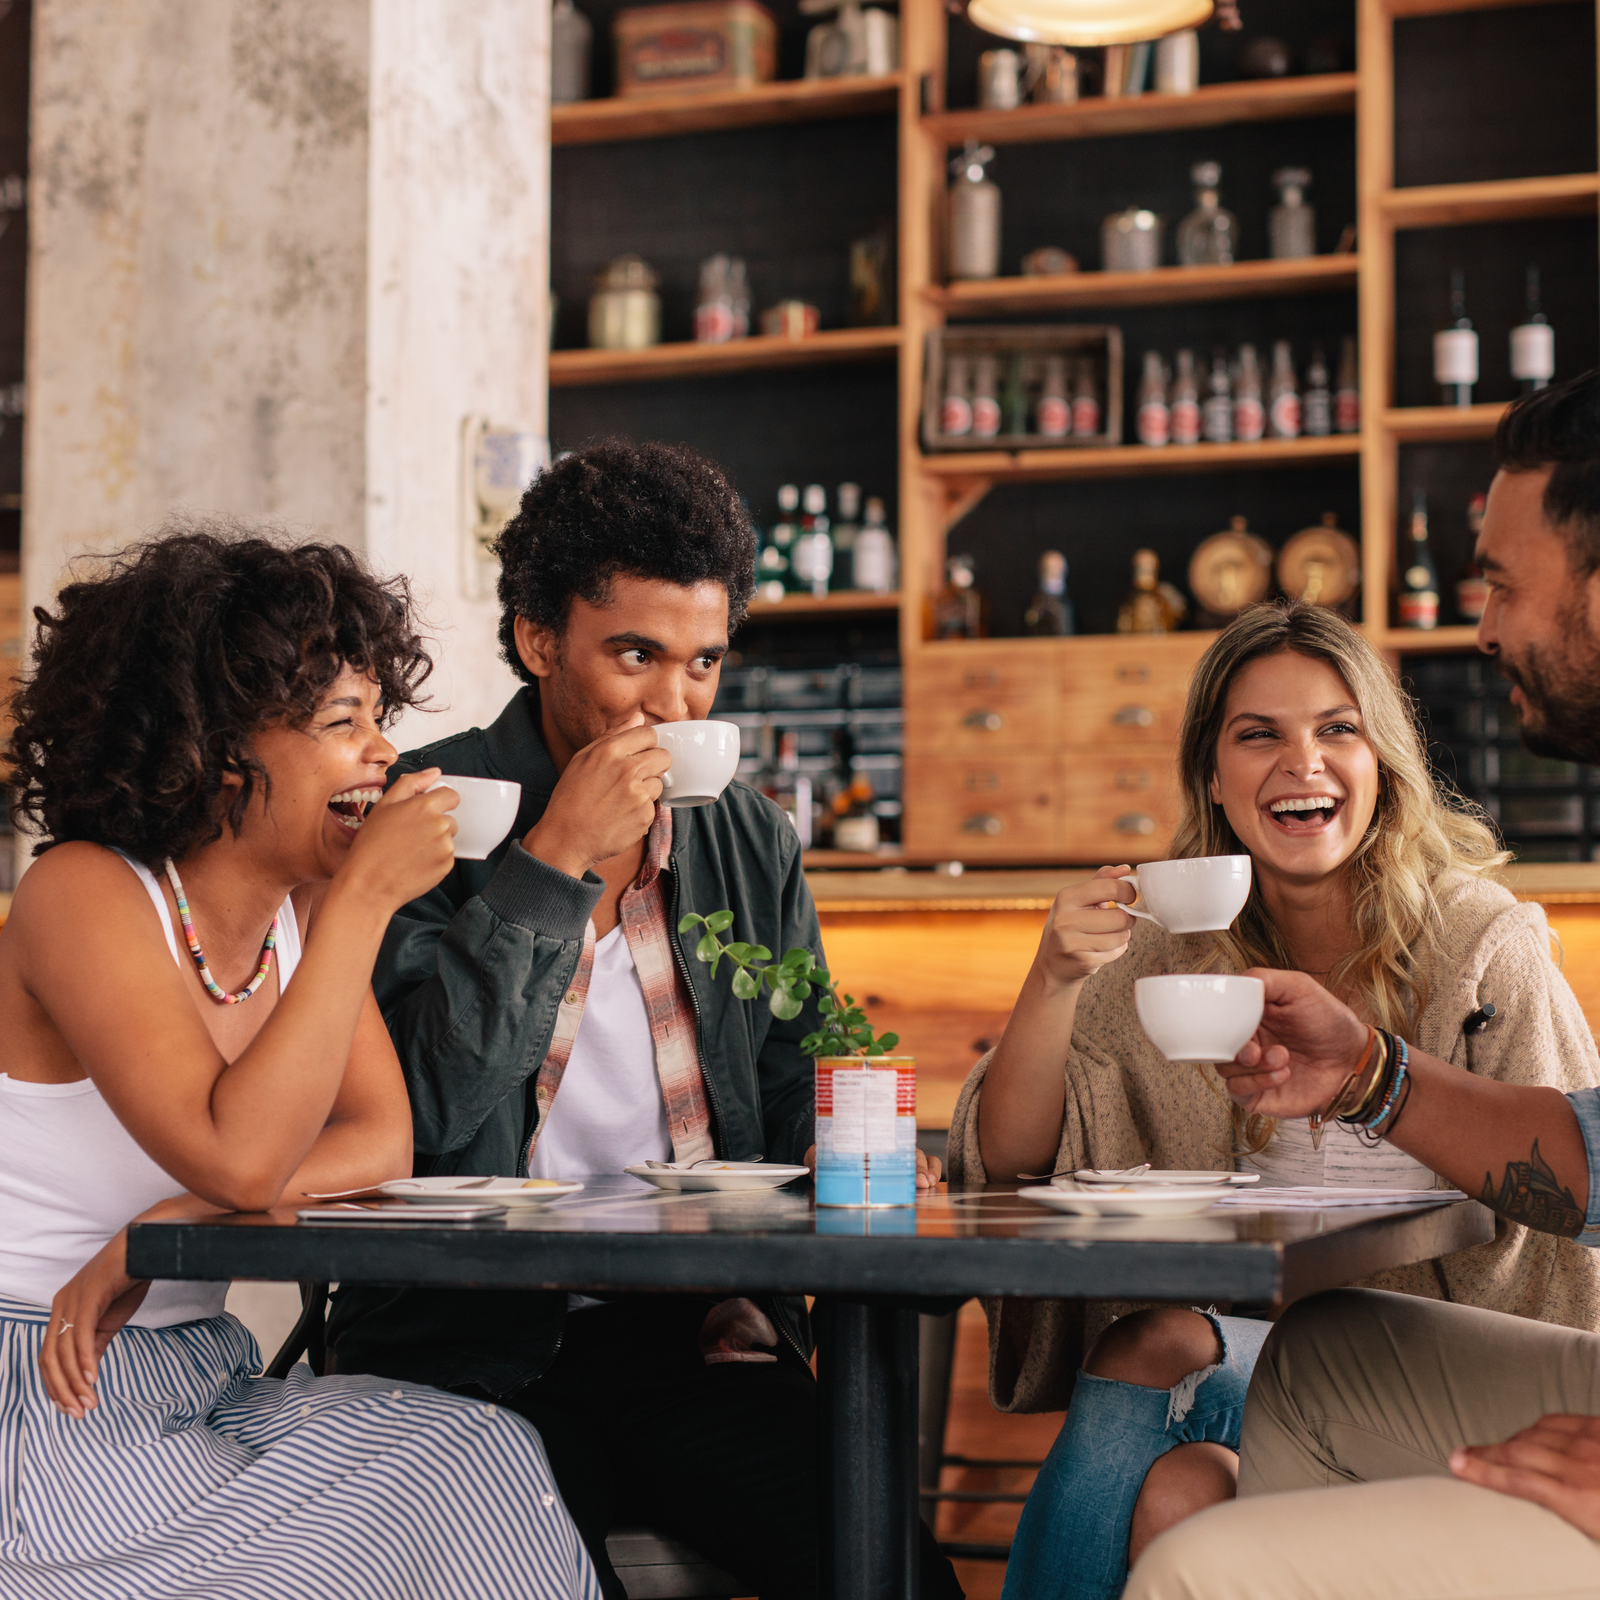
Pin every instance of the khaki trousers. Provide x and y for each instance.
(1354, 1391)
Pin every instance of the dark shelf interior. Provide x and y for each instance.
(1466, 106)
(1451, 474)
(15, 35)
(1098, 524)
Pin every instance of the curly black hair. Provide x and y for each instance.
(648, 510)
(1559, 427)
(157, 667)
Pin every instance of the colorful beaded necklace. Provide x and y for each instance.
(213, 988)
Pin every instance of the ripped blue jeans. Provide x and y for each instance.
(1072, 1541)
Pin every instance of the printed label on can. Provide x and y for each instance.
(866, 1132)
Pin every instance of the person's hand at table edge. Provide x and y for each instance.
(1555, 1464)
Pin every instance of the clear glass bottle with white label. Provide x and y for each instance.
(1533, 343)
(813, 550)
(955, 410)
(1249, 415)
(986, 397)
(1283, 394)
(1052, 415)
(1316, 405)
(1292, 224)
(1185, 400)
(1209, 235)
(1455, 348)
(1216, 411)
(1347, 394)
(1154, 417)
(1085, 403)
(974, 215)
(873, 562)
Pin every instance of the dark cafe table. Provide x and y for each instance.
(869, 1270)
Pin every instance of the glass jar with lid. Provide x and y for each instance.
(625, 310)
(1130, 240)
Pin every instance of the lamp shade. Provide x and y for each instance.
(1087, 22)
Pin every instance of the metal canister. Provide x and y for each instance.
(1000, 80)
(866, 1131)
(1131, 240)
(1178, 62)
(974, 216)
(571, 34)
(1052, 74)
(625, 310)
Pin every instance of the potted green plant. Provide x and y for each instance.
(866, 1118)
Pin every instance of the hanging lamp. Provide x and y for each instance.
(1087, 22)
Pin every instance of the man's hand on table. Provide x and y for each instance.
(929, 1168)
(604, 801)
(1308, 1044)
(1555, 1463)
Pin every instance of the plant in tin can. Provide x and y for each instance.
(845, 1030)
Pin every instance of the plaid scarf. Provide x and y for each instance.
(666, 1002)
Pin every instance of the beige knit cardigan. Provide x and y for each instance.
(1126, 1103)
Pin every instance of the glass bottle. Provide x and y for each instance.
(571, 36)
(1455, 349)
(1052, 415)
(873, 564)
(1419, 576)
(1472, 588)
(722, 311)
(1533, 343)
(813, 549)
(1154, 416)
(1209, 235)
(1347, 396)
(774, 564)
(1249, 415)
(1283, 395)
(1216, 413)
(986, 398)
(974, 215)
(792, 788)
(1085, 404)
(955, 414)
(1316, 407)
(1049, 614)
(1185, 401)
(1151, 605)
(846, 529)
(1292, 224)
(1014, 400)
(959, 610)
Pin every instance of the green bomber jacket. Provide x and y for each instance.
(469, 979)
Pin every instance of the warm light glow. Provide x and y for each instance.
(1087, 22)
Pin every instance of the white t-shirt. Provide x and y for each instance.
(1342, 1162)
(607, 1113)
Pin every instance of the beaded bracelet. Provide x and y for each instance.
(1372, 1131)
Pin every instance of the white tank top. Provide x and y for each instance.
(71, 1175)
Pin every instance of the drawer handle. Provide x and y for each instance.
(1133, 672)
(1132, 778)
(976, 781)
(1134, 717)
(985, 721)
(984, 822)
(1135, 822)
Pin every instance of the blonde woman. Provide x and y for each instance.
(1299, 749)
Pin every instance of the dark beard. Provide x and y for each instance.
(1562, 715)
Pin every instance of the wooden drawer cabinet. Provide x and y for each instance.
(1130, 691)
(994, 697)
(1118, 804)
(984, 808)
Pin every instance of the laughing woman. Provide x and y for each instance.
(187, 1026)
(1299, 748)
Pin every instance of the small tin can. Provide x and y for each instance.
(866, 1131)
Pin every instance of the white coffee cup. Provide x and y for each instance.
(484, 817)
(705, 756)
(1201, 894)
(1203, 1017)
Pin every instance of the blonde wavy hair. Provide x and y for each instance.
(1419, 833)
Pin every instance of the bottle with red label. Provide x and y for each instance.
(986, 398)
(1283, 395)
(1085, 404)
(1249, 415)
(1185, 406)
(1472, 589)
(955, 413)
(1347, 393)
(1154, 415)
(1419, 576)
(1052, 415)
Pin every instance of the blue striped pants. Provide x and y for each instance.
(193, 1480)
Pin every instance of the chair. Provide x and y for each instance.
(651, 1567)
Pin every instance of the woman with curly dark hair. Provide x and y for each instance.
(200, 744)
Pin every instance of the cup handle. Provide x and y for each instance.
(1149, 916)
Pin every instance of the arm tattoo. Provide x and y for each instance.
(1530, 1193)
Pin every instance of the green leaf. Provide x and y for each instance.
(784, 1006)
(874, 1049)
(799, 987)
(826, 1006)
(689, 921)
(718, 921)
(801, 960)
(709, 948)
(739, 950)
(759, 952)
(746, 986)
(889, 1040)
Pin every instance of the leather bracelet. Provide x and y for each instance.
(1381, 1047)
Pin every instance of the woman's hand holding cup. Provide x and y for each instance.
(1087, 929)
(406, 842)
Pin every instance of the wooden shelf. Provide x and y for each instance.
(664, 116)
(886, 855)
(575, 368)
(1274, 100)
(1429, 641)
(1439, 8)
(1244, 280)
(1116, 461)
(1507, 200)
(1443, 424)
(809, 605)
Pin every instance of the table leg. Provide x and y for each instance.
(867, 1372)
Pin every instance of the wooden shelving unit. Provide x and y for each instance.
(667, 115)
(1443, 205)
(1211, 106)
(1442, 424)
(573, 368)
(1129, 460)
(1427, 641)
(1166, 286)
(844, 602)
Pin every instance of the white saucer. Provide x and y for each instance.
(1099, 1201)
(1168, 1175)
(721, 1175)
(465, 1188)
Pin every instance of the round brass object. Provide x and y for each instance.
(1321, 565)
(1230, 570)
